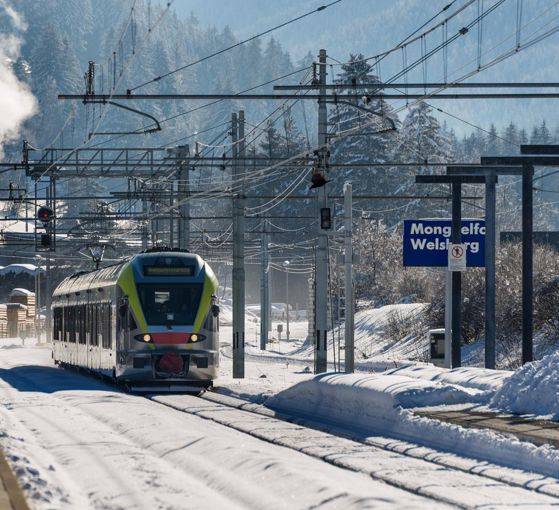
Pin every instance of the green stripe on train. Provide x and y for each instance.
(126, 283)
(210, 286)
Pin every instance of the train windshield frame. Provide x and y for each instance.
(166, 304)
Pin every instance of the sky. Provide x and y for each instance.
(370, 28)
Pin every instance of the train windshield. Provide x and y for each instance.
(168, 304)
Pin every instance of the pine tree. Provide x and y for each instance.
(511, 135)
(493, 143)
(422, 141)
(374, 138)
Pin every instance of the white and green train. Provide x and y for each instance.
(151, 321)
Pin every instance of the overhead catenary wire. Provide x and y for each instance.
(228, 48)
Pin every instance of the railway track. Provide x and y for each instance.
(418, 470)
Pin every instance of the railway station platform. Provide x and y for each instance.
(11, 495)
(538, 432)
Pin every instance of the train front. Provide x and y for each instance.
(169, 324)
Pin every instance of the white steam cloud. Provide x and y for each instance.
(17, 103)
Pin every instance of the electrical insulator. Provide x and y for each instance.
(317, 179)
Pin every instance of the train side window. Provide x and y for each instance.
(107, 344)
(57, 319)
(70, 327)
(65, 324)
(82, 324)
(94, 324)
(101, 324)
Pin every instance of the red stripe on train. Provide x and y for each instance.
(170, 338)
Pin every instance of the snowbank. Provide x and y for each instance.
(370, 394)
(532, 389)
(485, 380)
(376, 405)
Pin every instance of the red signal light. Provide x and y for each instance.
(45, 214)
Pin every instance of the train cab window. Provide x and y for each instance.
(167, 304)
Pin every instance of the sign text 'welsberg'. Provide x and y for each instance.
(426, 242)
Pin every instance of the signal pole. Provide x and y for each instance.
(238, 135)
(348, 234)
(184, 204)
(321, 282)
(264, 290)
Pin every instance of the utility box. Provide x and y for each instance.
(436, 342)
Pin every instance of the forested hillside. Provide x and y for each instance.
(135, 46)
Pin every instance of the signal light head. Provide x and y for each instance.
(45, 214)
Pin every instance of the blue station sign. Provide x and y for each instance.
(426, 242)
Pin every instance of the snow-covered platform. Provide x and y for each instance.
(539, 432)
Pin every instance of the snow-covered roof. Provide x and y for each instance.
(18, 226)
(21, 292)
(20, 268)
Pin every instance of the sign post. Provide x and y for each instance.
(457, 257)
(427, 243)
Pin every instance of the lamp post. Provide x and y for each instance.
(286, 266)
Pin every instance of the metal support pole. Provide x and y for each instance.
(527, 264)
(448, 320)
(48, 300)
(38, 300)
(490, 236)
(51, 230)
(456, 276)
(264, 290)
(287, 334)
(349, 321)
(145, 232)
(321, 300)
(184, 202)
(238, 248)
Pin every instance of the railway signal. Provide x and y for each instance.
(45, 214)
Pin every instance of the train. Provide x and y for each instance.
(150, 322)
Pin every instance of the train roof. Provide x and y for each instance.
(108, 275)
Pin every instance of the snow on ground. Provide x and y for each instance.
(56, 423)
(533, 389)
(371, 340)
(482, 379)
(377, 404)
(75, 442)
(381, 403)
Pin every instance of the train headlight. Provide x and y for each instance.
(146, 338)
(194, 338)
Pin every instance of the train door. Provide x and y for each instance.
(107, 345)
(57, 333)
(123, 325)
(92, 340)
(70, 337)
(65, 335)
(98, 334)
